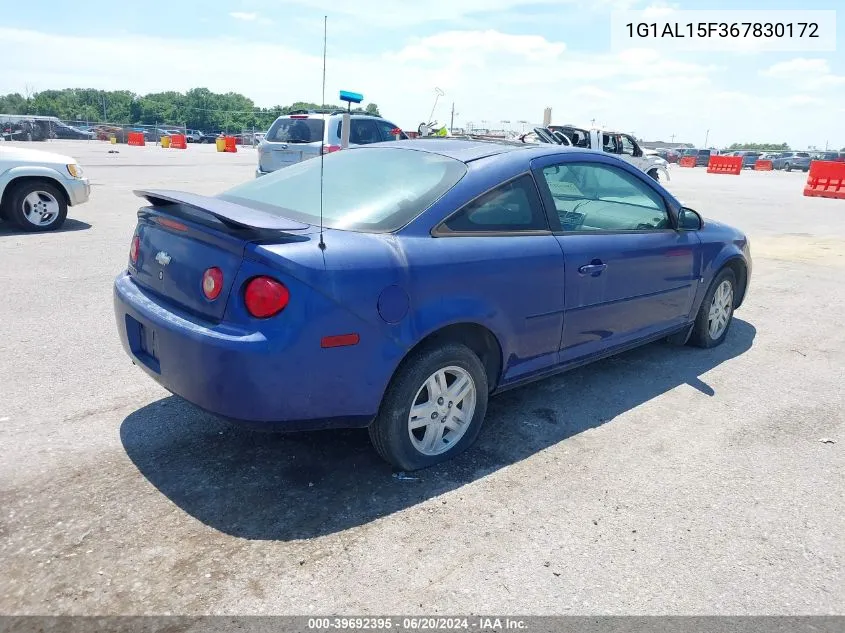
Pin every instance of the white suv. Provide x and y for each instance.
(301, 135)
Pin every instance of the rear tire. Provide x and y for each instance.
(653, 173)
(716, 312)
(447, 388)
(37, 206)
(787, 167)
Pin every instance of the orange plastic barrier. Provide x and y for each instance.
(725, 165)
(136, 138)
(231, 145)
(826, 179)
(178, 141)
(762, 164)
(687, 161)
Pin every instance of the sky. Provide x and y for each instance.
(496, 60)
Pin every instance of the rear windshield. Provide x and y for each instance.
(296, 131)
(371, 189)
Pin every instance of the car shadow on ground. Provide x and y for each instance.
(9, 228)
(259, 485)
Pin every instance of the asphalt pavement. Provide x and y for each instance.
(663, 481)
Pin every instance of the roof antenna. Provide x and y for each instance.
(322, 244)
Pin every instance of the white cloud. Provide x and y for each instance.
(803, 100)
(659, 10)
(797, 67)
(805, 74)
(490, 75)
(397, 14)
(246, 17)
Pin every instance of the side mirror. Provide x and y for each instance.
(689, 220)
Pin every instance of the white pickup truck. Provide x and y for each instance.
(623, 145)
(36, 188)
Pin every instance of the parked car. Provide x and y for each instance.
(296, 137)
(838, 157)
(669, 155)
(193, 136)
(792, 160)
(422, 277)
(63, 131)
(623, 145)
(748, 158)
(36, 188)
(209, 137)
(702, 157)
(22, 128)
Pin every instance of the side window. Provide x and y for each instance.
(363, 132)
(514, 206)
(627, 145)
(385, 128)
(597, 197)
(610, 144)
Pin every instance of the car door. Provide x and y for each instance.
(631, 152)
(501, 246)
(387, 130)
(629, 274)
(363, 132)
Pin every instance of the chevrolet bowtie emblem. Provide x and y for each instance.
(162, 258)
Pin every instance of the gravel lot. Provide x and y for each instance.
(664, 481)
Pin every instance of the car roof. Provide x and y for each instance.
(468, 150)
(330, 115)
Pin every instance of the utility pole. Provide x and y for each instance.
(452, 119)
(706, 137)
(672, 138)
(104, 109)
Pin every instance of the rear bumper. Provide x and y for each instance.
(237, 374)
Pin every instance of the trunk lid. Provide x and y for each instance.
(182, 235)
(273, 156)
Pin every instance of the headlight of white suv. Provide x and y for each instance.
(74, 170)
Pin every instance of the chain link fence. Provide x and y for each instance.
(44, 128)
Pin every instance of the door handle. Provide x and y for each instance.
(592, 269)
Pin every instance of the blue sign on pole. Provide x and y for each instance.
(351, 97)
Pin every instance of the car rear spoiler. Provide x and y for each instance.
(229, 213)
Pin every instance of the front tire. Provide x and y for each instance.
(788, 167)
(433, 409)
(37, 206)
(716, 312)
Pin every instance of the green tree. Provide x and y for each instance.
(760, 146)
(198, 108)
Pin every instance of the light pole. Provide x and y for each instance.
(437, 94)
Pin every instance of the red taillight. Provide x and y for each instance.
(134, 248)
(328, 149)
(265, 297)
(212, 283)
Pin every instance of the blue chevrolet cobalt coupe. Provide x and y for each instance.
(398, 286)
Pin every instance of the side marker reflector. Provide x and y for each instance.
(340, 340)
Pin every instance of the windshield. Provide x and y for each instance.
(296, 131)
(369, 189)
